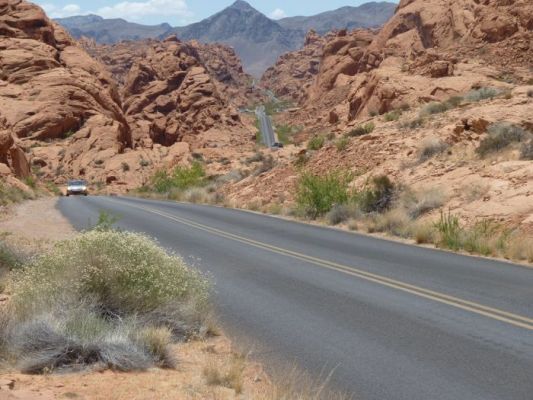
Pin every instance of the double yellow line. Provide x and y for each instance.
(494, 313)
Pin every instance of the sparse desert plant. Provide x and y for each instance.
(430, 147)
(339, 213)
(434, 107)
(482, 94)
(422, 232)
(317, 194)
(392, 115)
(413, 124)
(104, 296)
(342, 143)
(157, 341)
(230, 375)
(125, 166)
(362, 130)
(144, 163)
(519, 247)
(10, 194)
(257, 157)
(395, 221)
(9, 257)
(378, 197)
(181, 178)
(31, 182)
(501, 135)
(475, 190)
(196, 195)
(316, 142)
(526, 151)
(420, 202)
(530, 93)
(266, 165)
(449, 232)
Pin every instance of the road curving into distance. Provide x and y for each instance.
(392, 321)
(268, 136)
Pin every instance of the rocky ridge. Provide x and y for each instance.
(115, 117)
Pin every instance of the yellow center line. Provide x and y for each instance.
(494, 313)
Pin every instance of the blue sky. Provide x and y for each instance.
(181, 12)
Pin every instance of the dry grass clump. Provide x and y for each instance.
(105, 297)
(501, 135)
(430, 147)
(482, 94)
(295, 385)
(229, 374)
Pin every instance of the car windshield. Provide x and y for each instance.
(77, 183)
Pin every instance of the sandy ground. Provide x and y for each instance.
(35, 226)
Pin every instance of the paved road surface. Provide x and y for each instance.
(395, 322)
(265, 124)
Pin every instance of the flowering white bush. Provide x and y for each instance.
(91, 297)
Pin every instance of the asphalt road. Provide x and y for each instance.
(392, 321)
(265, 124)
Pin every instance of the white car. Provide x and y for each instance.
(77, 187)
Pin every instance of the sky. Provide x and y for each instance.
(183, 12)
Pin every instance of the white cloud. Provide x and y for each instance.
(60, 12)
(278, 13)
(137, 10)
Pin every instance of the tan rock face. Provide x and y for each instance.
(420, 55)
(110, 114)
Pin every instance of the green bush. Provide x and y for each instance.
(316, 142)
(378, 197)
(90, 298)
(362, 130)
(342, 143)
(317, 194)
(9, 258)
(181, 178)
(501, 135)
(392, 115)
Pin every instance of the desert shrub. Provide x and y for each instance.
(362, 130)
(257, 157)
(455, 101)
(395, 221)
(316, 142)
(530, 93)
(10, 258)
(434, 107)
(11, 194)
(285, 133)
(483, 238)
(392, 115)
(317, 194)
(228, 375)
(31, 182)
(449, 231)
(339, 213)
(526, 151)
(519, 247)
(413, 124)
(125, 167)
(342, 143)
(422, 232)
(378, 197)
(430, 147)
(266, 165)
(104, 296)
(418, 203)
(181, 178)
(500, 135)
(144, 163)
(482, 94)
(197, 195)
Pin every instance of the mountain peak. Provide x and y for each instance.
(242, 6)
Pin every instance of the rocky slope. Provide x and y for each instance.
(430, 51)
(149, 106)
(257, 39)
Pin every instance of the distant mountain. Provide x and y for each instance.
(368, 15)
(258, 40)
(110, 30)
